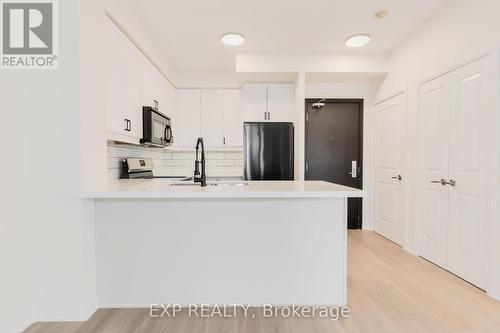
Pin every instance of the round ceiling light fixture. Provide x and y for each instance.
(233, 39)
(358, 40)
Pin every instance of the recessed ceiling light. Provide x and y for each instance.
(359, 40)
(233, 39)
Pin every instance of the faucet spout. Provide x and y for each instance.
(200, 178)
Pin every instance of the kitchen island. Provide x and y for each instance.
(162, 241)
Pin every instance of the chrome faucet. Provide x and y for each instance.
(200, 178)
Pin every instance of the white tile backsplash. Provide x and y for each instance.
(175, 163)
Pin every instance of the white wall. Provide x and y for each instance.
(348, 62)
(47, 267)
(365, 91)
(460, 32)
(16, 250)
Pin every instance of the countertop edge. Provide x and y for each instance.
(223, 195)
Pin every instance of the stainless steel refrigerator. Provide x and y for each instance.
(268, 151)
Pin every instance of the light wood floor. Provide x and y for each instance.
(389, 290)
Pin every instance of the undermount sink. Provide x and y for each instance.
(192, 184)
(219, 183)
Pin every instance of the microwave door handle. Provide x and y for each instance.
(169, 134)
(169, 131)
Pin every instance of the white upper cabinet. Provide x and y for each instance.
(115, 81)
(212, 115)
(255, 102)
(233, 120)
(188, 118)
(133, 89)
(267, 102)
(279, 102)
(132, 82)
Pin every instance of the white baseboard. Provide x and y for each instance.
(83, 316)
(495, 294)
(410, 248)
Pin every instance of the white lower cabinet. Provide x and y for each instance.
(214, 114)
(458, 125)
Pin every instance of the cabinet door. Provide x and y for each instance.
(133, 89)
(212, 115)
(434, 147)
(188, 130)
(147, 82)
(233, 122)
(114, 58)
(254, 102)
(472, 152)
(279, 102)
(159, 89)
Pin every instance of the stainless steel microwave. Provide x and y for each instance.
(156, 128)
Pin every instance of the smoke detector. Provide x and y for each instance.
(381, 14)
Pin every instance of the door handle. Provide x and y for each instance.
(452, 182)
(442, 182)
(354, 169)
(398, 177)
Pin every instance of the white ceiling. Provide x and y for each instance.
(189, 31)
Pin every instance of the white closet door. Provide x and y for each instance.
(434, 152)
(389, 194)
(472, 135)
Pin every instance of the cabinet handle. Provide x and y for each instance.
(126, 125)
(224, 141)
(452, 182)
(442, 182)
(130, 125)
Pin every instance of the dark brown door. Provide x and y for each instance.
(334, 139)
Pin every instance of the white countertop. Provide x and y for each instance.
(162, 188)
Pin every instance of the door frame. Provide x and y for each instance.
(361, 103)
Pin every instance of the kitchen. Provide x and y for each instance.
(259, 156)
